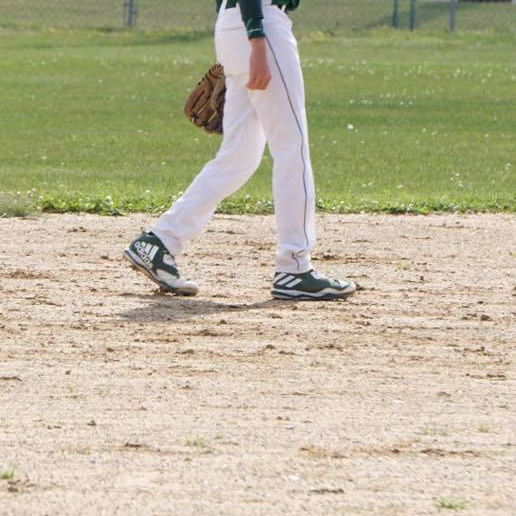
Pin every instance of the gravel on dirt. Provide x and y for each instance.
(117, 400)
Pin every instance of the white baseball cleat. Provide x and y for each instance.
(310, 286)
(148, 255)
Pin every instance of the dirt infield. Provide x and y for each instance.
(115, 400)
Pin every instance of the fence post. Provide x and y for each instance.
(412, 14)
(395, 14)
(453, 14)
(131, 11)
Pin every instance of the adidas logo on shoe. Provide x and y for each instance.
(146, 252)
(310, 286)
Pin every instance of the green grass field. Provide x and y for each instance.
(93, 121)
(198, 15)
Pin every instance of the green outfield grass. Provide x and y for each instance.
(93, 121)
(198, 15)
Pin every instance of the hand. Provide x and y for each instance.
(259, 72)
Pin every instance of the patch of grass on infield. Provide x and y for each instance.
(484, 428)
(445, 503)
(92, 121)
(198, 441)
(434, 432)
(7, 473)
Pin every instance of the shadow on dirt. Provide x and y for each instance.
(170, 308)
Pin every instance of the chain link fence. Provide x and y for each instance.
(313, 16)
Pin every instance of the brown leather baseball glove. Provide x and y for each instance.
(205, 105)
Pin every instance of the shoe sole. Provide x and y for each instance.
(328, 296)
(140, 267)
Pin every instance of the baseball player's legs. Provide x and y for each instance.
(277, 115)
(238, 158)
(281, 110)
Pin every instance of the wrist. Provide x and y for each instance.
(254, 27)
(258, 44)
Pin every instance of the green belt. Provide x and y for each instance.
(233, 3)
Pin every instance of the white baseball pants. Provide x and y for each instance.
(275, 116)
